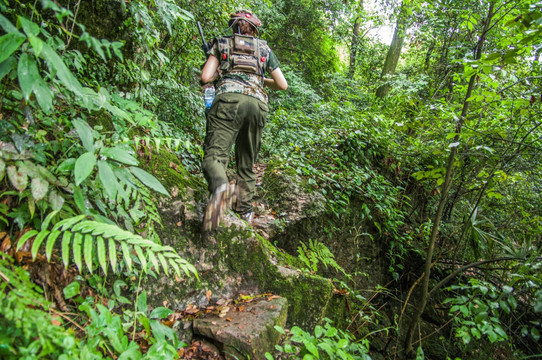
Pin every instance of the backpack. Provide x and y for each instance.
(243, 53)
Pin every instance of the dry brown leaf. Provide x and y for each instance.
(164, 303)
(273, 297)
(224, 311)
(241, 308)
(191, 310)
(55, 320)
(228, 319)
(208, 295)
(6, 243)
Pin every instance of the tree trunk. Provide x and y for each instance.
(394, 51)
(355, 41)
(420, 307)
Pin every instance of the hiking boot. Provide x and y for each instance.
(219, 201)
(248, 217)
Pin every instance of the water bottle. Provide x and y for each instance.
(209, 96)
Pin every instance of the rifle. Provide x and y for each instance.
(205, 46)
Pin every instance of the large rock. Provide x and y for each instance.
(246, 331)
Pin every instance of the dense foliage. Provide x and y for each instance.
(444, 170)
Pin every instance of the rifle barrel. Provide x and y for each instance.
(201, 34)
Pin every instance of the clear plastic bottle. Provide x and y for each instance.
(209, 96)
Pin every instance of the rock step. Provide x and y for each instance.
(247, 333)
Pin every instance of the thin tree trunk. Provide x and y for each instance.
(355, 41)
(354, 49)
(394, 52)
(420, 307)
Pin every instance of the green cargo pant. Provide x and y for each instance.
(240, 119)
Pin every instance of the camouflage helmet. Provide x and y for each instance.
(246, 15)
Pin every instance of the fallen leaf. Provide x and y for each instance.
(191, 310)
(342, 292)
(241, 308)
(224, 311)
(208, 295)
(164, 303)
(6, 243)
(273, 306)
(273, 297)
(55, 320)
(177, 278)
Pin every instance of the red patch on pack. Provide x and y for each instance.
(224, 56)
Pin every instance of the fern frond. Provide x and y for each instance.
(86, 238)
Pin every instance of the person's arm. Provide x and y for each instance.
(277, 81)
(208, 73)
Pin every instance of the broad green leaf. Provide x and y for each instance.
(23, 239)
(7, 65)
(39, 188)
(9, 43)
(160, 313)
(27, 70)
(120, 155)
(43, 94)
(148, 180)
(29, 27)
(85, 134)
(327, 348)
(142, 302)
(37, 242)
(79, 199)
(108, 179)
(18, 179)
(161, 331)
(535, 333)
(420, 354)
(2, 169)
(66, 238)
(37, 44)
(97, 46)
(71, 290)
(102, 256)
(31, 206)
(56, 200)
(77, 250)
(84, 167)
(87, 251)
(51, 243)
(67, 165)
(7, 25)
(56, 65)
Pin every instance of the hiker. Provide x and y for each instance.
(238, 114)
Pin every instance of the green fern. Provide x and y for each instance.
(317, 252)
(85, 238)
